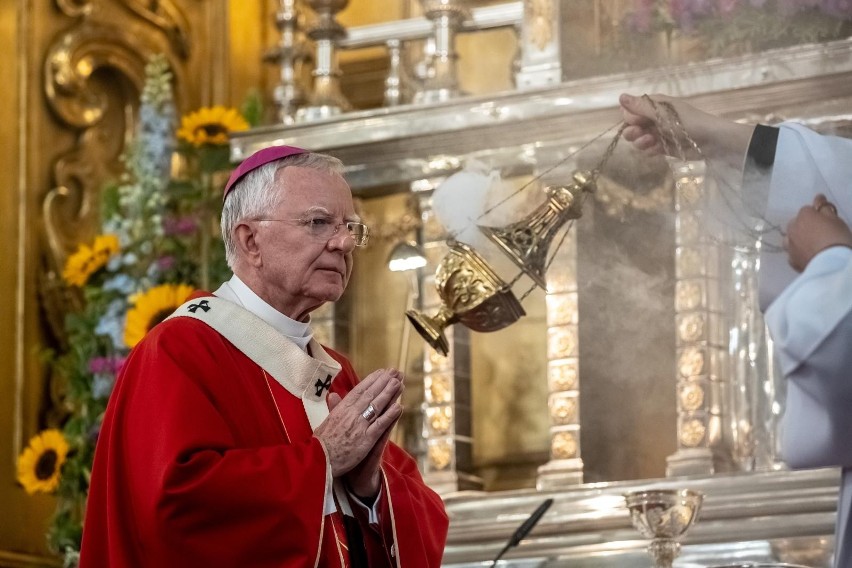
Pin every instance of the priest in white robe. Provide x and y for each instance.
(801, 182)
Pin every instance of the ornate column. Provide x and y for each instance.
(441, 83)
(541, 50)
(326, 100)
(289, 55)
(563, 368)
(448, 464)
(700, 334)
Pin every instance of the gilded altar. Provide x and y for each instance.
(623, 374)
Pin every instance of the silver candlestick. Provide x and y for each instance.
(327, 99)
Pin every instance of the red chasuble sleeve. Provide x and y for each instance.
(193, 467)
(413, 523)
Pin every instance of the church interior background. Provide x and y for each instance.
(641, 364)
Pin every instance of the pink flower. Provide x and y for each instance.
(166, 263)
(173, 226)
(106, 365)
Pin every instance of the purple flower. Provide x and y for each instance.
(166, 263)
(174, 226)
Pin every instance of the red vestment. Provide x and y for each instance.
(194, 467)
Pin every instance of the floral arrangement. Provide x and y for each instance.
(158, 242)
(736, 26)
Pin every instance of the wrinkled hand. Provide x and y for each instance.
(347, 436)
(815, 228)
(716, 137)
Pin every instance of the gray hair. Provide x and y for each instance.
(254, 195)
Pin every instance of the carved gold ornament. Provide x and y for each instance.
(562, 308)
(692, 433)
(688, 295)
(541, 22)
(563, 376)
(440, 420)
(564, 446)
(688, 227)
(691, 362)
(563, 409)
(691, 397)
(690, 188)
(438, 388)
(689, 262)
(561, 341)
(440, 454)
(691, 327)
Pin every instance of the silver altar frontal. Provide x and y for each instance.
(707, 413)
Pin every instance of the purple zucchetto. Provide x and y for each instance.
(258, 159)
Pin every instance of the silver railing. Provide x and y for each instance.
(431, 80)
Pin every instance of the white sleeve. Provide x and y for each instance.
(806, 163)
(811, 324)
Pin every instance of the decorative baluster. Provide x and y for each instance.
(565, 467)
(326, 100)
(701, 348)
(393, 82)
(447, 422)
(446, 16)
(289, 55)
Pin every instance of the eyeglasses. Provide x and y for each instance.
(322, 229)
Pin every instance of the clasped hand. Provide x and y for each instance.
(355, 443)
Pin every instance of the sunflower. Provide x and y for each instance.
(41, 462)
(87, 260)
(210, 125)
(151, 307)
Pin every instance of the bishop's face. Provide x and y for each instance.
(305, 247)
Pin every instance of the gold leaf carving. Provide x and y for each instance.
(691, 397)
(564, 446)
(691, 362)
(692, 433)
(563, 376)
(691, 327)
(440, 454)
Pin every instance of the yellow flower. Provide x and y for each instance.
(151, 307)
(41, 462)
(87, 260)
(211, 125)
